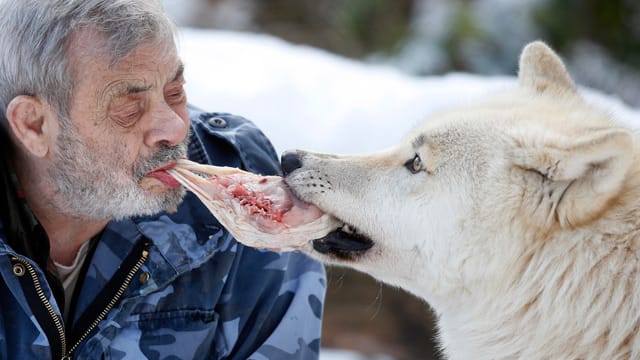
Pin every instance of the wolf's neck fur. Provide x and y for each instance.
(594, 271)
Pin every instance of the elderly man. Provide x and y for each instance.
(102, 256)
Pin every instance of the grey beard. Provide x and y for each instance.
(94, 187)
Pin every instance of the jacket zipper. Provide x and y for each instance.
(58, 322)
(113, 301)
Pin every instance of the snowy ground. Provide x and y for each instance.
(307, 98)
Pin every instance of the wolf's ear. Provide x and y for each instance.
(581, 176)
(542, 70)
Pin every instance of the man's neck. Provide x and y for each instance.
(66, 236)
(66, 233)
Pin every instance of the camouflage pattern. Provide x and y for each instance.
(200, 294)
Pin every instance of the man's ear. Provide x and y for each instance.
(580, 176)
(30, 123)
(542, 70)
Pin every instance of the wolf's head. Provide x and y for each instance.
(459, 202)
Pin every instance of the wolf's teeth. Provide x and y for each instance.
(349, 229)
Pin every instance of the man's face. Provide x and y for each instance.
(125, 121)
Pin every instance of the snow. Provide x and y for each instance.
(307, 98)
(303, 97)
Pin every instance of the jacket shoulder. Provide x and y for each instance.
(224, 136)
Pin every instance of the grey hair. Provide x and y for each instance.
(35, 37)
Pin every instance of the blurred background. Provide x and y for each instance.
(599, 41)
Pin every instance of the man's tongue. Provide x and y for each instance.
(164, 178)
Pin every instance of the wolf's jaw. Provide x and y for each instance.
(344, 243)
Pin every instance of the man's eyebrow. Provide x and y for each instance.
(135, 89)
(123, 88)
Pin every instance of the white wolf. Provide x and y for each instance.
(517, 219)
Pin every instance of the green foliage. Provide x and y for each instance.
(463, 29)
(379, 25)
(613, 24)
(350, 27)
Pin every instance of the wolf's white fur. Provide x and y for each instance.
(521, 229)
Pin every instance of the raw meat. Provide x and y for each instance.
(259, 211)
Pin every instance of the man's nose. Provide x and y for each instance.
(167, 127)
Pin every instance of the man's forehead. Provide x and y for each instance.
(159, 57)
(87, 43)
(155, 60)
(134, 75)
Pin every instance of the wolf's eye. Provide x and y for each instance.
(414, 165)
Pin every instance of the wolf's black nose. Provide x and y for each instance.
(289, 162)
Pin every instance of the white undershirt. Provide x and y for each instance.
(69, 276)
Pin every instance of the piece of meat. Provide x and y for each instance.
(259, 211)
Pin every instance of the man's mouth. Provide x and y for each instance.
(163, 176)
(344, 243)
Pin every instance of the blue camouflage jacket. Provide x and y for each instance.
(172, 286)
